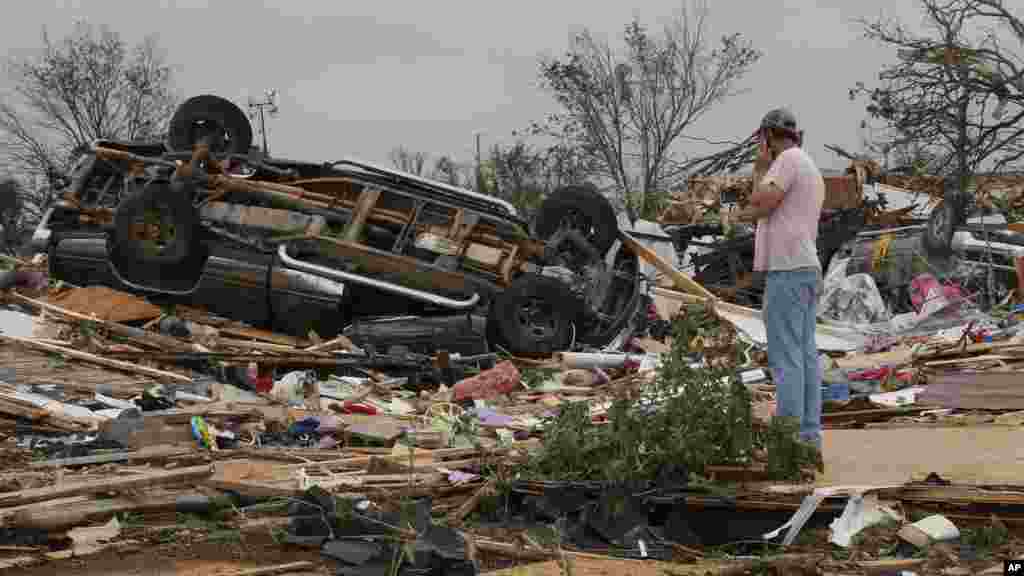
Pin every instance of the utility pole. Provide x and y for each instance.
(262, 108)
(479, 173)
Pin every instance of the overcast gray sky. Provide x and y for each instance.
(357, 78)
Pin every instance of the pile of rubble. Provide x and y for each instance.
(116, 413)
(558, 393)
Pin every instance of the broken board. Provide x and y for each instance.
(747, 320)
(106, 304)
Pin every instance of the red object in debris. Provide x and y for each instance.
(920, 289)
(264, 383)
(870, 374)
(499, 380)
(350, 407)
(926, 287)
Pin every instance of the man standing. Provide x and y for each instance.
(786, 202)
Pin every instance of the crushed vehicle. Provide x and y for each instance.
(207, 219)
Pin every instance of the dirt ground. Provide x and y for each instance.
(191, 559)
(968, 455)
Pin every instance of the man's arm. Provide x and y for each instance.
(765, 196)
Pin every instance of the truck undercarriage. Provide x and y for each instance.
(204, 218)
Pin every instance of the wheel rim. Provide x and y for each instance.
(154, 231)
(212, 134)
(538, 319)
(576, 220)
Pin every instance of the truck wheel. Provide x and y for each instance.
(213, 120)
(156, 223)
(534, 316)
(581, 208)
(938, 234)
(156, 239)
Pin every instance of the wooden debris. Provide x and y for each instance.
(98, 487)
(681, 281)
(457, 516)
(270, 570)
(790, 564)
(151, 339)
(532, 554)
(145, 454)
(57, 515)
(99, 360)
(39, 367)
(106, 304)
(339, 343)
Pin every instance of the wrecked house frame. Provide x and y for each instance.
(962, 240)
(207, 219)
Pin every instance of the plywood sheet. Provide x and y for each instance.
(106, 304)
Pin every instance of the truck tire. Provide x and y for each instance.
(582, 208)
(205, 114)
(534, 316)
(176, 262)
(157, 206)
(938, 234)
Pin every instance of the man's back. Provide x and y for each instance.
(787, 239)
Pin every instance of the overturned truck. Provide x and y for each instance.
(206, 219)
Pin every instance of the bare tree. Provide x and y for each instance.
(525, 175)
(448, 171)
(955, 98)
(408, 161)
(90, 85)
(10, 211)
(625, 111)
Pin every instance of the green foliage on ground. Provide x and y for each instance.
(689, 418)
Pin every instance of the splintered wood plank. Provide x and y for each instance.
(264, 335)
(99, 360)
(367, 199)
(101, 485)
(457, 223)
(412, 272)
(682, 281)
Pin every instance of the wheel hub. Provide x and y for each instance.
(538, 318)
(155, 231)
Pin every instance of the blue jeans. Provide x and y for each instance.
(790, 310)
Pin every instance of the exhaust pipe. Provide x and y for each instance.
(410, 293)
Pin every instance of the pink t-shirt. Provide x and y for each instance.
(788, 238)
